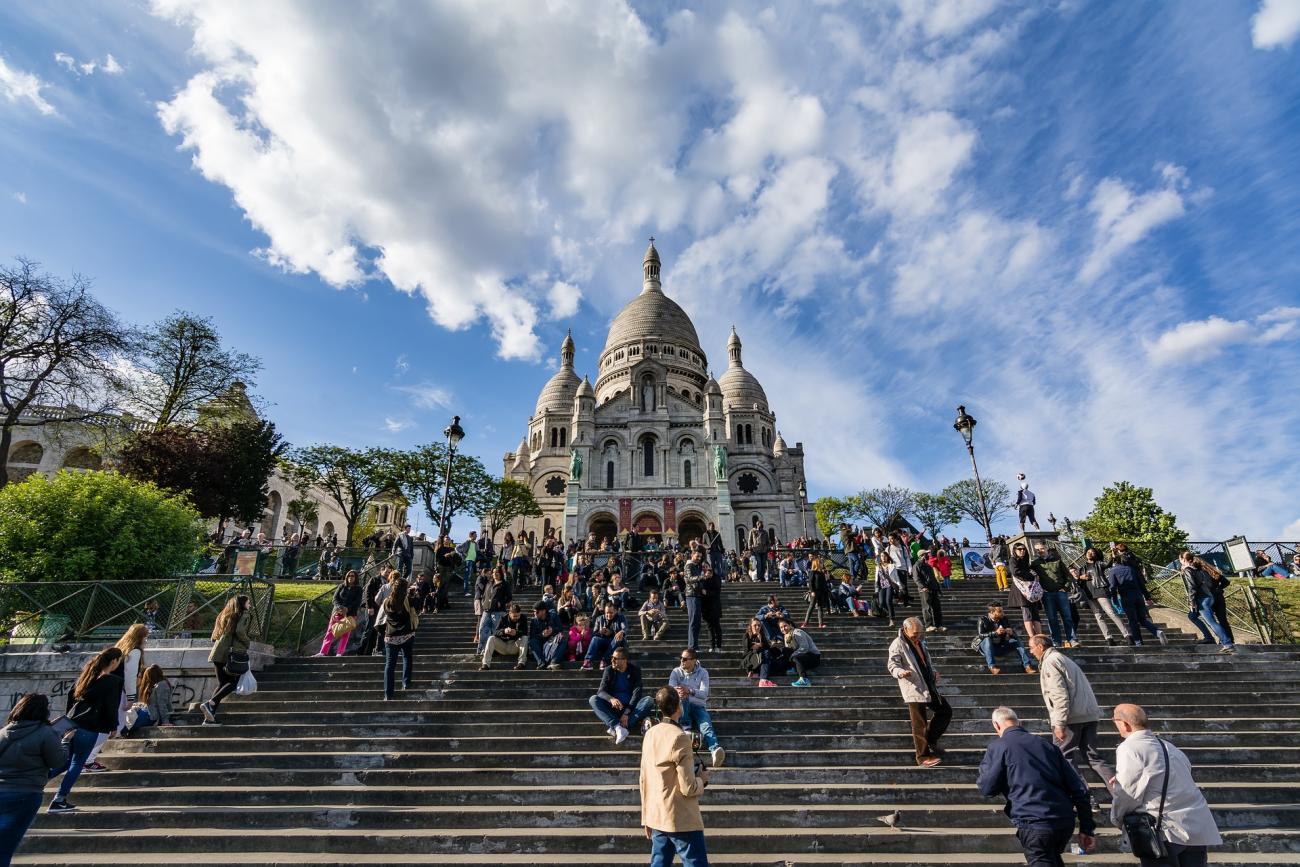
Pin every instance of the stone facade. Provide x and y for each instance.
(657, 444)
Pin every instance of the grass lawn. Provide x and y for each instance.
(1288, 593)
(297, 591)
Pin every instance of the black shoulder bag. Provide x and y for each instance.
(1143, 829)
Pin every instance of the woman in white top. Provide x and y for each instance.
(132, 646)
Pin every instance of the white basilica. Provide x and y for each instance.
(658, 445)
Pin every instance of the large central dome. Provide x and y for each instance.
(652, 315)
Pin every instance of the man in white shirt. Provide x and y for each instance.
(1142, 763)
(691, 682)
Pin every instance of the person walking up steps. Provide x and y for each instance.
(918, 680)
(1072, 709)
(30, 752)
(229, 656)
(92, 709)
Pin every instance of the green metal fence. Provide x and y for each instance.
(179, 607)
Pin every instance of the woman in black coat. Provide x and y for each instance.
(92, 710)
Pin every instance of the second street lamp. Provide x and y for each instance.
(965, 425)
(454, 434)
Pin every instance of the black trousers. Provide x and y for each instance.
(931, 608)
(713, 617)
(226, 683)
(1043, 846)
(1180, 856)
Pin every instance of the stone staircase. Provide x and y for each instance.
(507, 767)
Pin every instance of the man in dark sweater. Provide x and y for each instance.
(1056, 581)
(620, 702)
(547, 641)
(1044, 792)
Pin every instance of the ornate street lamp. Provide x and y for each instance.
(454, 434)
(965, 425)
(803, 498)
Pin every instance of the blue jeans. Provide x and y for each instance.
(760, 567)
(1203, 615)
(1135, 608)
(885, 599)
(610, 717)
(550, 650)
(855, 566)
(1056, 604)
(142, 720)
(992, 650)
(391, 652)
(697, 717)
(469, 576)
(1272, 570)
(693, 622)
(688, 844)
(602, 648)
(487, 624)
(17, 810)
(83, 741)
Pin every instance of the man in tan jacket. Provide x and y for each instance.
(671, 785)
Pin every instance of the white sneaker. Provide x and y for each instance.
(719, 756)
(610, 731)
(620, 735)
(1164, 639)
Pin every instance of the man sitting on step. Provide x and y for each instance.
(547, 639)
(608, 632)
(511, 636)
(771, 615)
(620, 702)
(691, 681)
(995, 637)
(654, 618)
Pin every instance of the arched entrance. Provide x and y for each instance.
(648, 526)
(689, 527)
(603, 526)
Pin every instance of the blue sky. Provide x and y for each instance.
(1077, 218)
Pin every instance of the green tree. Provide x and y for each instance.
(884, 507)
(1127, 513)
(421, 474)
(964, 497)
(59, 349)
(302, 511)
(224, 470)
(351, 477)
(182, 365)
(934, 512)
(830, 512)
(507, 500)
(94, 525)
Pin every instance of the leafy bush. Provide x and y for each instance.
(94, 525)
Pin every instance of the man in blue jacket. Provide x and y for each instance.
(621, 702)
(1044, 792)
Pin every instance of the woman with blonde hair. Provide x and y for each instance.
(132, 646)
(229, 656)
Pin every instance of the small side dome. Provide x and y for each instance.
(778, 447)
(585, 389)
(712, 387)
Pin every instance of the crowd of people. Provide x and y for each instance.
(584, 618)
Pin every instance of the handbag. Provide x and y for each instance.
(236, 663)
(1143, 829)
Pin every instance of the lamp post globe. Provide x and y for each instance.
(965, 425)
(454, 434)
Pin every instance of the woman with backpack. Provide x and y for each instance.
(30, 751)
(93, 707)
(1025, 590)
(1095, 592)
(400, 623)
(229, 656)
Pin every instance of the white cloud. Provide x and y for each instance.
(18, 86)
(109, 65)
(563, 298)
(1124, 217)
(20, 197)
(1204, 339)
(928, 152)
(1291, 532)
(1276, 24)
(401, 365)
(426, 395)
(397, 425)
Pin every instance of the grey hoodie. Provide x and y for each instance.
(29, 750)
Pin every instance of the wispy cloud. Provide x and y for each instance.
(1204, 339)
(401, 365)
(109, 65)
(426, 395)
(20, 197)
(1124, 217)
(397, 425)
(17, 86)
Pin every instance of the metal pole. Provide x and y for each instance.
(446, 491)
(979, 489)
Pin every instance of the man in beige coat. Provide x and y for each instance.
(918, 680)
(671, 785)
(1071, 707)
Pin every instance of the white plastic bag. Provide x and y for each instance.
(247, 684)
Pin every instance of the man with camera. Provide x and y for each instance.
(671, 784)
